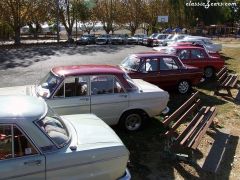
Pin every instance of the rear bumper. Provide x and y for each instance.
(126, 176)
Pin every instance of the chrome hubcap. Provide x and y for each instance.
(133, 122)
(183, 87)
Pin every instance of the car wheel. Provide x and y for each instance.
(132, 121)
(208, 72)
(183, 87)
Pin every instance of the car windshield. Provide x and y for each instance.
(153, 35)
(48, 84)
(131, 83)
(55, 128)
(104, 36)
(131, 63)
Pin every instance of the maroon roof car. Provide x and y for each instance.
(162, 70)
(197, 57)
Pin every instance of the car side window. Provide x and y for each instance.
(150, 65)
(73, 86)
(168, 63)
(13, 143)
(102, 84)
(184, 54)
(197, 54)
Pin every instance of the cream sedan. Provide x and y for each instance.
(106, 91)
(37, 144)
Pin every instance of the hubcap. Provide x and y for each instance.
(208, 72)
(133, 122)
(183, 87)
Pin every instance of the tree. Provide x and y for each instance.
(107, 12)
(85, 14)
(131, 14)
(14, 12)
(39, 12)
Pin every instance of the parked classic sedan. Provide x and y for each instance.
(198, 57)
(103, 39)
(86, 39)
(155, 39)
(106, 91)
(163, 70)
(137, 39)
(119, 39)
(39, 144)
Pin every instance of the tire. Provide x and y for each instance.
(132, 120)
(208, 72)
(183, 87)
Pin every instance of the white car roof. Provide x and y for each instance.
(25, 108)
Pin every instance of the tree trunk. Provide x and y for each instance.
(17, 38)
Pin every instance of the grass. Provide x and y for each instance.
(146, 146)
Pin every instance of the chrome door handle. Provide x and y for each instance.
(37, 162)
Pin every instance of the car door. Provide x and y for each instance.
(72, 97)
(198, 58)
(169, 73)
(149, 69)
(108, 98)
(19, 158)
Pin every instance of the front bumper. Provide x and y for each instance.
(126, 176)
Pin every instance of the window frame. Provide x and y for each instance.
(25, 135)
(64, 85)
(114, 78)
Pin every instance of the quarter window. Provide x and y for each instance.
(13, 143)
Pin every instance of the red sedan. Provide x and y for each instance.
(198, 57)
(163, 70)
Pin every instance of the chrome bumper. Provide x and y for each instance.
(126, 176)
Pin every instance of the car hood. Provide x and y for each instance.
(90, 131)
(18, 90)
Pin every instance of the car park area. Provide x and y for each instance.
(25, 66)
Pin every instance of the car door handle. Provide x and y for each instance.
(37, 162)
(84, 99)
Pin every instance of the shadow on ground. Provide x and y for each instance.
(26, 56)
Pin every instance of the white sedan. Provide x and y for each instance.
(37, 144)
(106, 91)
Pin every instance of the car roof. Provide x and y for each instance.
(27, 108)
(86, 70)
(187, 47)
(151, 54)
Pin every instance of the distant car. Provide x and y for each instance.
(155, 39)
(198, 57)
(173, 38)
(106, 91)
(186, 43)
(137, 39)
(165, 71)
(39, 144)
(86, 39)
(119, 39)
(206, 42)
(103, 39)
